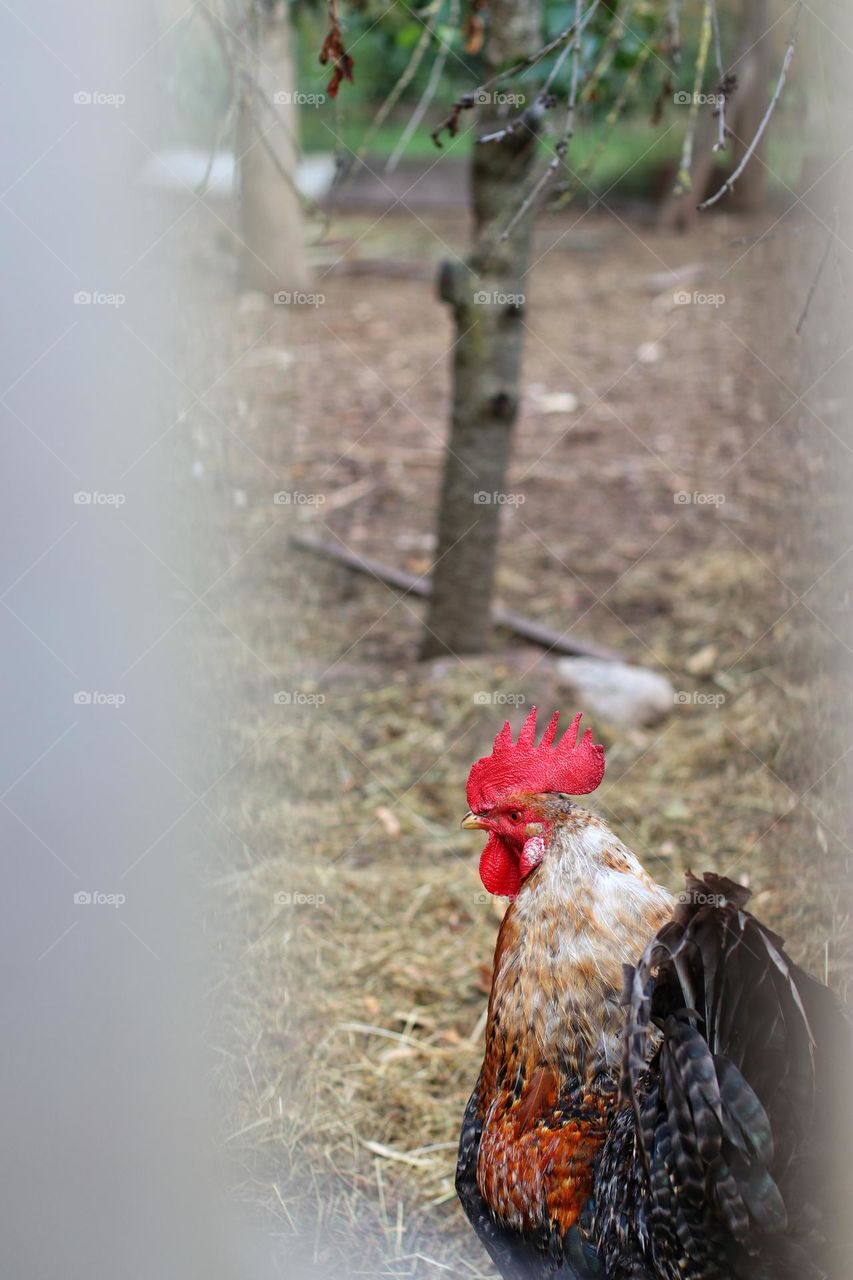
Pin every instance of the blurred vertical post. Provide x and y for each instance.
(108, 1138)
(271, 222)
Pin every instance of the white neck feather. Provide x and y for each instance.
(587, 909)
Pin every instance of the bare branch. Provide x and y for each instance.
(527, 628)
(469, 100)
(610, 121)
(765, 120)
(249, 94)
(219, 138)
(543, 100)
(684, 182)
(722, 131)
(427, 95)
(608, 52)
(674, 31)
(815, 282)
(568, 128)
(400, 87)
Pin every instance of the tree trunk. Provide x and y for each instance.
(271, 222)
(487, 295)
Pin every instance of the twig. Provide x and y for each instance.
(610, 121)
(470, 99)
(765, 119)
(393, 97)
(674, 31)
(684, 181)
(562, 146)
(248, 82)
(420, 586)
(722, 131)
(427, 95)
(814, 284)
(543, 99)
(608, 52)
(201, 188)
(568, 128)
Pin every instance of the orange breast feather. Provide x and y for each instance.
(538, 1150)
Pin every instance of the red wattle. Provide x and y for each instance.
(499, 869)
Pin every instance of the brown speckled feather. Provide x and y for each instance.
(706, 1166)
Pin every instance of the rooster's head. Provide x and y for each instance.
(512, 795)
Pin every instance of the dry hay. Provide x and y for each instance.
(348, 1031)
(359, 1015)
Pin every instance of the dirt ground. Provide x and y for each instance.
(353, 938)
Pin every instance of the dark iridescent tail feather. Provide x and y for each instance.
(731, 1113)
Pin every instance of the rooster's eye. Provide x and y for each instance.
(514, 815)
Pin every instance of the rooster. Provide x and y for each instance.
(656, 1097)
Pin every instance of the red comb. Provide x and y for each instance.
(575, 765)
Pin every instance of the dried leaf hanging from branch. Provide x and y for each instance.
(333, 51)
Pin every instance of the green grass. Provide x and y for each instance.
(631, 155)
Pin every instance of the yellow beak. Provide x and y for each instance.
(471, 822)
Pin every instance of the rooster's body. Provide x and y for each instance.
(681, 1138)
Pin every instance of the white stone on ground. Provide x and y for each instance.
(619, 693)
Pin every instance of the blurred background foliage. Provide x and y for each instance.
(634, 155)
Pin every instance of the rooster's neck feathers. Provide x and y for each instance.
(586, 910)
(548, 1081)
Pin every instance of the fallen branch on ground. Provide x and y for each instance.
(420, 586)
